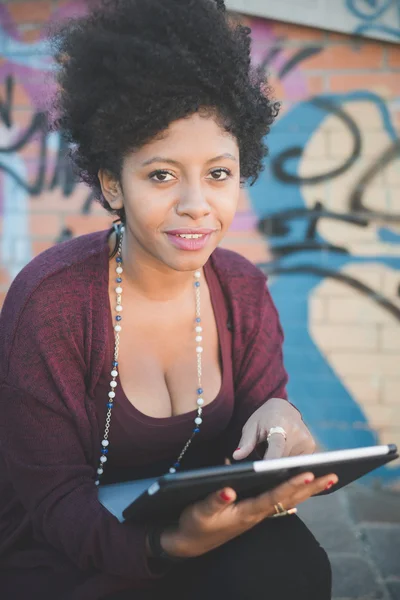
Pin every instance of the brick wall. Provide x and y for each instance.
(323, 220)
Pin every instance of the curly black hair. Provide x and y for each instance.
(129, 68)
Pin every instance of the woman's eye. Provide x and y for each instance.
(160, 176)
(220, 174)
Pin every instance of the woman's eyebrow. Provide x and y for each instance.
(177, 163)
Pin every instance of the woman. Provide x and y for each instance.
(167, 120)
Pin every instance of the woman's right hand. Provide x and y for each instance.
(210, 523)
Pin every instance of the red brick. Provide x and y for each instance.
(393, 57)
(365, 56)
(81, 224)
(315, 85)
(30, 12)
(297, 32)
(386, 85)
(40, 246)
(44, 225)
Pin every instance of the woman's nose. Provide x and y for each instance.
(193, 202)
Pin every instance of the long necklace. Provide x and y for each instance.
(114, 370)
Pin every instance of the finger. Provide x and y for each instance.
(217, 501)
(293, 495)
(304, 446)
(247, 443)
(264, 502)
(276, 446)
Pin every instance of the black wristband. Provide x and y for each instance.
(157, 551)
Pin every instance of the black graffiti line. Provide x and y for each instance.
(5, 108)
(356, 196)
(376, 296)
(305, 213)
(314, 246)
(277, 163)
(271, 54)
(298, 58)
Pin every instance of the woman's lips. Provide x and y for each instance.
(193, 240)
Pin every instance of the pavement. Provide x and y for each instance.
(359, 527)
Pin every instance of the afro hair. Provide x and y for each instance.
(129, 68)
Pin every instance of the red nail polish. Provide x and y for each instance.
(237, 449)
(330, 484)
(224, 496)
(307, 480)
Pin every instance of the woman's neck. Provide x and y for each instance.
(149, 277)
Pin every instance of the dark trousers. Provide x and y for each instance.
(279, 559)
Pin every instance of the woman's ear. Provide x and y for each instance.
(111, 189)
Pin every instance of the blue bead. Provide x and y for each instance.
(197, 430)
(177, 465)
(110, 405)
(200, 390)
(118, 259)
(197, 283)
(198, 320)
(118, 318)
(104, 451)
(115, 363)
(119, 279)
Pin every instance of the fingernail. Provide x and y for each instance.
(308, 480)
(292, 511)
(224, 496)
(237, 449)
(330, 484)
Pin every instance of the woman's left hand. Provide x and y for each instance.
(276, 412)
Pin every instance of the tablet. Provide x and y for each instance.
(164, 498)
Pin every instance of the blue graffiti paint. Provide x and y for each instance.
(379, 7)
(335, 417)
(369, 17)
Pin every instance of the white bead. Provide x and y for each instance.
(198, 329)
(105, 443)
(197, 420)
(199, 338)
(199, 349)
(97, 482)
(118, 290)
(113, 384)
(197, 274)
(172, 470)
(200, 401)
(118, 308)
(100, 471)
(111, 394)
(118, 328)
(119, 270)
(114, 373)
(103, 459)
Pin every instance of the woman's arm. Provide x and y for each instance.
(46, 438)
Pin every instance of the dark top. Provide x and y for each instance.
(56, 340)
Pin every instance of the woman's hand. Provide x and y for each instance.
(276, 412)
(217, 519)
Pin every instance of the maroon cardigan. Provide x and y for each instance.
(53, 341)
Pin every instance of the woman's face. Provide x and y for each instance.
(180, 193)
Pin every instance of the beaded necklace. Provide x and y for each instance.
(114, 370)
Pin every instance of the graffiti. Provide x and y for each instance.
(302, 257)
(370, 13)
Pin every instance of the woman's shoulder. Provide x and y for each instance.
(56, 281)
(59, 262)
(243, 285)
(236, 272)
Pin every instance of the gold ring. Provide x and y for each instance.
(279, 510)
(282, 512)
